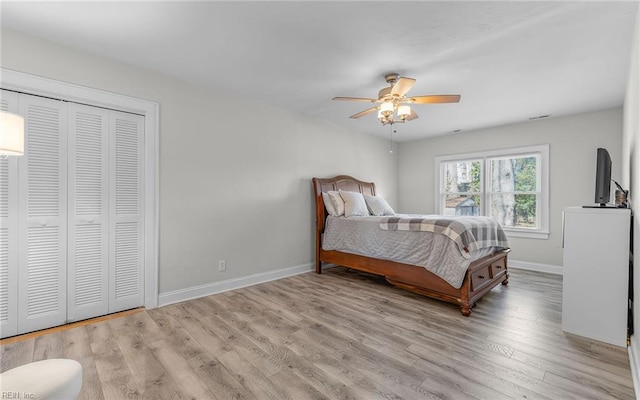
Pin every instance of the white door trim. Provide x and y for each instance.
(31, 84)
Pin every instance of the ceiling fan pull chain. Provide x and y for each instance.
(392, 130)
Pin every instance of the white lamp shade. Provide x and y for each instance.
(386, 107)
(11, 134)
(404, 111)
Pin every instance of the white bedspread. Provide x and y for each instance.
(435, 252)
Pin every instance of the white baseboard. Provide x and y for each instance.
(195, 292)
(634, 360)
(531, 266)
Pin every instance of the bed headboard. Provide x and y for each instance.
(340, 182)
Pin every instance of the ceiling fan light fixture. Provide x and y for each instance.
(394, 104)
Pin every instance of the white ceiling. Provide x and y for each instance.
(509, 60)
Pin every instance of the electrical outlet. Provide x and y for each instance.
(222, 265)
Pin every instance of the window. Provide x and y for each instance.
(510, 185)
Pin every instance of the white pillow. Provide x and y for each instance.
(328, 204)
(333, 203)
(378, 205)
(354, 204)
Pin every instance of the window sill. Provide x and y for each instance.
(526, 234)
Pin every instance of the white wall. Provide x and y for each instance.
(235, 174)
(573, 141)
(631, 181)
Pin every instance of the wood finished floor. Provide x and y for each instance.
(340, 335)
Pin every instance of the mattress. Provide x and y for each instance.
(433, 251)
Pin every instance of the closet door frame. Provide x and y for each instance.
(31, 84)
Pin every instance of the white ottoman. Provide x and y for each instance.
(55, 379)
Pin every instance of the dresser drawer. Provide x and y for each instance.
(498, 268)
(480, 278)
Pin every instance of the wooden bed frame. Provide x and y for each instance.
(482, 275)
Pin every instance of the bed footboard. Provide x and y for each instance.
(482, 275)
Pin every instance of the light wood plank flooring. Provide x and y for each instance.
(340, 335)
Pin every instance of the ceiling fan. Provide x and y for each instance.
(394, 104)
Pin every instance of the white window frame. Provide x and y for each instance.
(542, 207)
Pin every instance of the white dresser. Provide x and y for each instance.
(596, 273)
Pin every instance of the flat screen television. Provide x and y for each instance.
(603, 178)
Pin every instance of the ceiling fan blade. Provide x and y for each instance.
(412, 115)
(363, 113)
(368, 100)
(402, 86)
(435, 98)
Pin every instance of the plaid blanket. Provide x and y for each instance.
(469, 233)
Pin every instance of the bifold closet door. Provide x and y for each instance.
(71, 215)
(88, 267)
(8, 231)
(106, 262)
(126, 211)
(42, 248)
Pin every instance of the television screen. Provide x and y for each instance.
(603, 177)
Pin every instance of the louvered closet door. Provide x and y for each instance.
(8, 231)
(42, 280)
(88, 212)
(126, 211)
